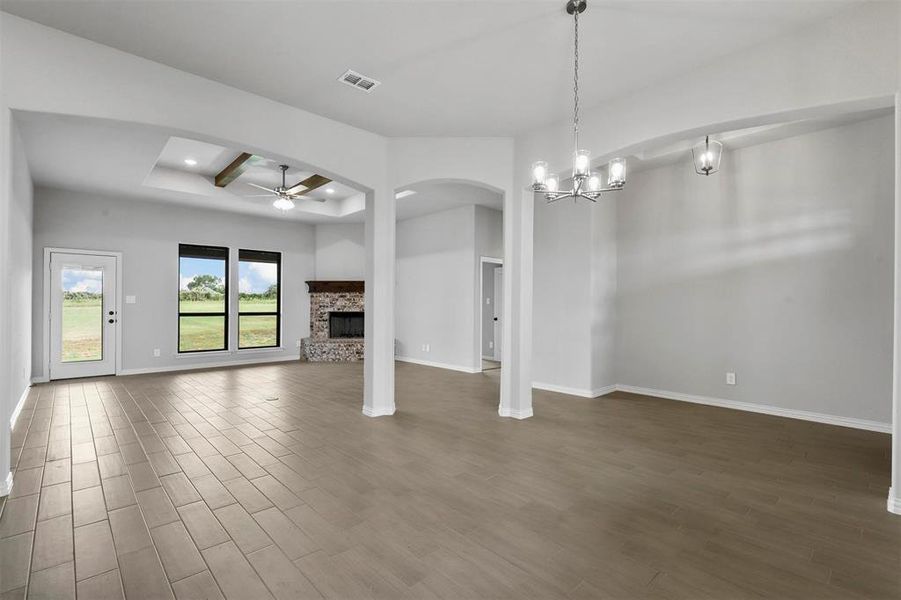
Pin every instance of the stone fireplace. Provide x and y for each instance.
(336, 322)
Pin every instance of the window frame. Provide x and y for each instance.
(212, 252)
(265, 256)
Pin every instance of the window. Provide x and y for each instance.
(259, 304)
(202, 298)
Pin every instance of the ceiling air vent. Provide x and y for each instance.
(361, 82)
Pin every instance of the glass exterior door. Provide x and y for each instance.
(83, 317)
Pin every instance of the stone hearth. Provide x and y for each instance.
(327, 297)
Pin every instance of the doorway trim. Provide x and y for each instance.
(45, 312)
(483, 260)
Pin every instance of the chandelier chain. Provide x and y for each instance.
(576, 80)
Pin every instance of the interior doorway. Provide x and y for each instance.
(492, 312)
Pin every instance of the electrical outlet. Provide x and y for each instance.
(297, 344)
(491, 345)
(488, 300)
(425, 348)
(730, 378)
(156, 352)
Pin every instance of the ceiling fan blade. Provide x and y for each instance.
(258, 196)
(234, 170)
(309, 184)
(271, 191)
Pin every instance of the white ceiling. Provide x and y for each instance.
(130, 161)
(172, 173)
(464, 67)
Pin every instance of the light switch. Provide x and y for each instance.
(130, 300)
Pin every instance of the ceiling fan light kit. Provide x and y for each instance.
(586, 183)
(283, 204)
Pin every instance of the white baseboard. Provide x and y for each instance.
(40, 379)
(603, 391)
(581, 392)
(894, 502)
(762, 408)
(6, 486)
(515, 414)
(378, 412)
(211, 365)
(439, 365)
(18, 408)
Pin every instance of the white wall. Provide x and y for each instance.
(562, 318)
(778, 268)
(15, 282)
(6, 168)
(434, 287)
(437, 284)
(604, 261)
(148, 235)
(894, 496)
(19, 275)
(340, 251)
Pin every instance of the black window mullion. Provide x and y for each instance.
(260, 256)
(210, 253)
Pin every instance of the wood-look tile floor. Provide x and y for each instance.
(267, 481)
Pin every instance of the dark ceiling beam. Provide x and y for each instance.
(309, 184)
(234, 169)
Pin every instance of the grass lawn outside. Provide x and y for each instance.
(206, 333)
(82, 327)
(82, 330)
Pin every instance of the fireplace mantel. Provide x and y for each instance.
(335, 287)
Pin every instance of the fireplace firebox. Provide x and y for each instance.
(345, 325)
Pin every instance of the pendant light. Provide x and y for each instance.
(707, 156)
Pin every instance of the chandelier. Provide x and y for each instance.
(586, 183)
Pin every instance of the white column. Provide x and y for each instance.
(378, 367)
(894, 494)
(516, 366)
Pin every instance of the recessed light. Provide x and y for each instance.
(329, 191)
(190, 162)
(403, 194)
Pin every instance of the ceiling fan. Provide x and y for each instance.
(285, 196)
